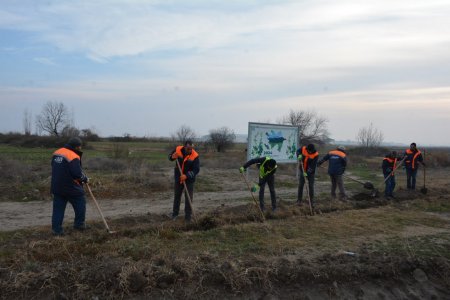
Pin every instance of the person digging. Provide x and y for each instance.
(186, 169)
(388, 166)
(307, 157)
(267, 168)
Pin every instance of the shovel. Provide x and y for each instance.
(306, 186)
(98, 208)
(424, 190)
(367, 185)
(186, 191)
(254, 199)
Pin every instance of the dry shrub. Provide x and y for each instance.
(104, 164)
(14, 170)
(438, 158)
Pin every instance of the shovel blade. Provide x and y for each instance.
(368, 185)
(424, 190)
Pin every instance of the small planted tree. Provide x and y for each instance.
(221, 138)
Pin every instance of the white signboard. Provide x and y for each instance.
(277, 141)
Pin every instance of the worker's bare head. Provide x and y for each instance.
(413, 146)
(188, 146)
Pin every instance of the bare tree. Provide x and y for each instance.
(221, 138)
(27, 120)
(369, 137)
(183, 134)
(312, 127)
(53, 118)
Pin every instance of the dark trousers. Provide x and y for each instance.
(389, 185)
(411, 178)
(270, 180)
(179, 188)
(310, 186)
(59, 207)
(337, 181)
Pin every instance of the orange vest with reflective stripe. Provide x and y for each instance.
(69, 155)
(190, 157)
(413, 161)
(392, 163)
(307, 156)
(338, 153)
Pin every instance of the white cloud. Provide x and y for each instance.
(45, 61)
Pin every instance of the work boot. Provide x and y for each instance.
(82, 228)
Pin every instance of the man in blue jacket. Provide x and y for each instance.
(336, 167)
(67, 185)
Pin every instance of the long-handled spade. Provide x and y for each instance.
(186, 191)
(306, 186)
(98, 208)
(254, 199)
(367, 185)
(424, 190)
(375, 192)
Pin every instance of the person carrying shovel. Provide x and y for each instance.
(185, 172)
(67, 186)
(267, 168)
(307, 157)
(412, 159)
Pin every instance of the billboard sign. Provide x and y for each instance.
(277, 141)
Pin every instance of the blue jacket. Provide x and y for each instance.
(337, 162)
(67, 175)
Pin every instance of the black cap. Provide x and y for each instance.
(74, 142)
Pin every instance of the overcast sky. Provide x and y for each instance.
(148, 67)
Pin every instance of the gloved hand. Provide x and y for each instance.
(242, 169)
(84, 179)
(305, 174)
(299, 157)
(174, 155)
(183, 178)
(254, 188)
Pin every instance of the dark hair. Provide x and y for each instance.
(188, 142)
(413, 144)
(311, 148)
(271, 163)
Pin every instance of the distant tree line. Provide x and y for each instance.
(55, 121)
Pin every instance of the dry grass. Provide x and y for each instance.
(227, 249)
